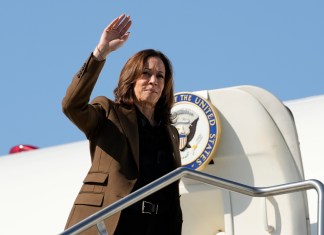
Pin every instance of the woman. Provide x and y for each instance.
(131, 139)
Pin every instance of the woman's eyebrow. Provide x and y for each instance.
(159, 71)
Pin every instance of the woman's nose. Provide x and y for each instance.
(153, 79)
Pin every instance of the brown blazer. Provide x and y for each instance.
(113, 136)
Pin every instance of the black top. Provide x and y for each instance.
(155, 157)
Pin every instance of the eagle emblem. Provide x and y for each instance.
(198, 126)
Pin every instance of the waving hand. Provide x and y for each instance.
(113, 36)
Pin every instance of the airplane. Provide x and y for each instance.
(254, 139)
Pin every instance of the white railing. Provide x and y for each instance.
(97, 218)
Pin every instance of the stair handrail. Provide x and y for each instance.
(182, 172)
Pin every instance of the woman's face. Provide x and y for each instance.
(149, 85)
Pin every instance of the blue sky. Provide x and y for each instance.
(276, 45)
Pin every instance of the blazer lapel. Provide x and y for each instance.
(175, 147)
(128, 121)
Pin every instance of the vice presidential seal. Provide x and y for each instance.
(199, 129)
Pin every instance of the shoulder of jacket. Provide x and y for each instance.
(103, 103)
(108, 105)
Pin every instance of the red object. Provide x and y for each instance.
(22, 148)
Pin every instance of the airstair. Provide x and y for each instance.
(97, 218)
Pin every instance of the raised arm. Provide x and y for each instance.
(75, 104)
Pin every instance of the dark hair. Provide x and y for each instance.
(134, 67)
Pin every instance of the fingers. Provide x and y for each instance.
(115, 22)
(120, 24)
(126, 27)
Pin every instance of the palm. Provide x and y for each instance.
(111, 40)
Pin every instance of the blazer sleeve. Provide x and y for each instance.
(75, 104)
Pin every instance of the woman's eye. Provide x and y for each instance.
(160, 76)
(146, 73)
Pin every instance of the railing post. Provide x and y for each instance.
(267, 227)
(101, 227)
(320, 212)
